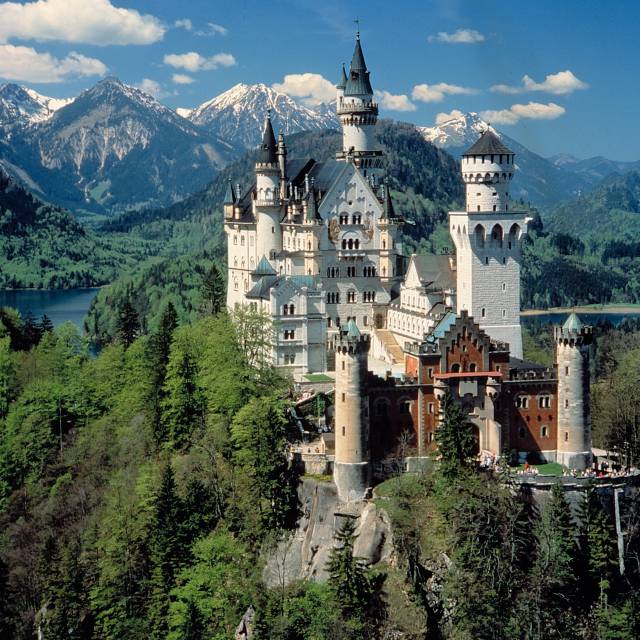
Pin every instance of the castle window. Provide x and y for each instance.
(504, 286)
(235, 239)
(494, 207)
(430, 373)
(285, 310)
(455, 368)
(522, 402)
(430, 408)
(291, 310)
(566, 436)
(344, 397)
(344, 244)
(486, 260)
(404, 406)
(337, 321)
(343, 365)
(365, 321)
(521, 433)
(544, 431)
(472, 367)
(328, 321)
(343, 430)
(566, 403)
(566, 371)
(273, 229)
(381, 407)
(504, 260)
(478, 207)
(251, 241)
(544, 402)
(504, 313)
(430, 436)
(483, 312)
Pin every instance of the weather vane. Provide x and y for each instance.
(357, 21)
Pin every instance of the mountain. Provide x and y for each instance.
(114, 147)
(238, 115)
(596, 168)
(44, 246)
(20, 106)
(538, 180)
(611, 210)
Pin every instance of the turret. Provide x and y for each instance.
(487, 170)
(573, 342)
(282, 165)
(229, 201)
(358, 115)
(351, 471)
(266, 203)
(340, 87)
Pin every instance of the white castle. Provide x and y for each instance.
(318, 245)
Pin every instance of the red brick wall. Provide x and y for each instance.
(465, 353)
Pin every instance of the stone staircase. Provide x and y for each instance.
(390, 345)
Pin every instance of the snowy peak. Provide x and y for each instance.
(238, 115)
(20, 106)
(461, 131)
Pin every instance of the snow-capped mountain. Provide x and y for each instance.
(114, 147)
(20, 106)
(537, 180)
(237, 115)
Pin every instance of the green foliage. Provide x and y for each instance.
(128, 324)
(7, 375)
(455, 438)
(357, 591)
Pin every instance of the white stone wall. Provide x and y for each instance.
(487, 179)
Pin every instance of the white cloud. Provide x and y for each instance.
(153, 88)
(311, 88)
(532, 110)
(193, 61)
(28, 65)
(461, 36)
(445, 117)
(213, 29)
(183, 23)
(437, 92)
(560, 83)
(88, 21)
(393, 102)
(182, 78)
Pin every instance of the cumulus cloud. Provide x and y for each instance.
(461, 36)
(445, 117)
(437, 92)
(532, 110)
(193, 61)
(95, 22)
(183, 23)
(153, 88)
(560, 83)
(310, 88)
(213, 29)
(28, 65)
(393, 102)
(182, 78)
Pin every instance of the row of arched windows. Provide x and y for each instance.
(369, 296)
(288, 310)
(356, 218)
(333, 297)
(351, 244)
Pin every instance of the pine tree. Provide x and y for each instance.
(127, 324)
(358, 592)
(213, 291)
(193, 627)
(46, 326)
(455, 438)
(31, 331)
(8, 379)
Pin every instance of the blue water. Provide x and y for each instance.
(60, 305)
(587, 318)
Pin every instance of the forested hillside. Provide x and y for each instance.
(142, 490)
(46, 247)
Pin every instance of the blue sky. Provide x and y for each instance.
(580, 58)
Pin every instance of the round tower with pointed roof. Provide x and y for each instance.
(266, 202)
(358, 114)
(488, 238)
(573, 342)
(351, 470)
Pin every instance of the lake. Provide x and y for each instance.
(555, 317)
(60, 305)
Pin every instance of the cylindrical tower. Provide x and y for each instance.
(487, 170)
(358, 115)
(266, 203)
(351, 471)
(574, 416)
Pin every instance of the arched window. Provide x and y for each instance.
(242, 241)
(381, 407)
(455, 368)
(350, 243)
(472, 367)
(479, 233)
(291, 310)
(357, 244)
(344, 244)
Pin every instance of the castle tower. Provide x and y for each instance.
(574, 416)
(488, 239)
(358, 115)
(351, 471)
(266, 203)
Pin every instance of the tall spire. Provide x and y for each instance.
(358, 83)
(229, 196)
(342, 81)
(268, 149)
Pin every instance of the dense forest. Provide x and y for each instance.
(142, 490)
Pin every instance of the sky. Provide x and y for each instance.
(559, 76)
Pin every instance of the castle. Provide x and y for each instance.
(318, 247)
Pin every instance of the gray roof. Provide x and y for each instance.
(324, 174)
(264, 268)
(262, 288)
(267, 149)
(352, 330)
(572, 323)
(435, 270)
(342, 81)
(358, 83)
(229, 195)
(488, 143)
(527, 365)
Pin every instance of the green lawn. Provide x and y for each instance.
(548, 469)
(318, 377)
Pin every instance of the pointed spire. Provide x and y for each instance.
(267, 150)
(358, 83)
(229, 195)
(388, 210)
(342, 81)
